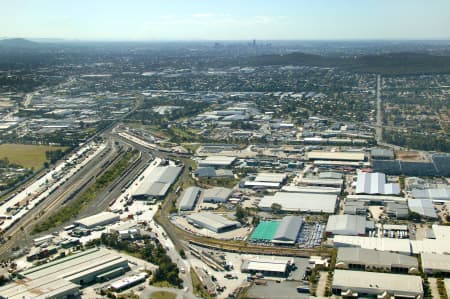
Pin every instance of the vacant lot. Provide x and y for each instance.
(409, 156)
(163, 295)
(26, 155)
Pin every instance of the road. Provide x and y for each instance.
(379, 125)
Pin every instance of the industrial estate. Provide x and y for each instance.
(218, 171)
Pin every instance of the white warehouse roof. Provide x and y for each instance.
(220, 161)
(288, 230)
(304, 202)
(270, 177)
(102, 218)
(375, 183)
(189, 198)
(398, 284)
(352, 225)
(423, 207)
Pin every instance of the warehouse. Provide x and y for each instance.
(157, 183)
(330, 175)
(316, 181)
(288, 230)
(397, 210)
(189, 198)
(101, 219)
(382, 154)
(217, 195)
(435, 194)
(362, 284)
(369, 260)
(375, 199)
(423, 207)
(217, 161)
(383, 244)
(278, 267)
(212, 222)
(271, 177)
(265, 231)
(63, 277)
(350, 225)
(375, 183)
(311, 189)
(262, 185)
(355, 208)
(211, 172)
(339, 156)
(300, 202)
(435, 263)
(128, 282)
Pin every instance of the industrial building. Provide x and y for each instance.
(101, 219)
(217, 161)
(189, 198)
(211, 172)
(355, 207)
(373, 260)
(423, 207)
(64, 277)
(212, 222)
(435, 194)
(271, 177)
(311, 189)
(349, 225)
(435, 263)
(288, 230)
(128, 282)
(374, 199)
(337, 156)
(361, 284)
(326, 175)
(382, 244)
(300, 202)
(375, 183)
(278, 267)
(265, 231)
(382, 154)
(316, 181)
(397, 210)
(217, 195)
(157, 183)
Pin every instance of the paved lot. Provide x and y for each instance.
(274, 290)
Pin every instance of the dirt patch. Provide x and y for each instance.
(409, 156)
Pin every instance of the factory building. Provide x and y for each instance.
(423, 207)
(374, 260)
(189, 198)
(101, 219)
(350, 225)
(217, 161)
(300, 202)
(435, 194)
(156, 184)
(311, 189)
(278, 267)
(382, 154)
(217, 195)
(375, 183)
(63, 278)
(435, 263)
(359, 284)
(288, 230)
(211, 172)
(212, 222)
(336, 156)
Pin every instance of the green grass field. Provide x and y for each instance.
(163, 295)
(26, 155)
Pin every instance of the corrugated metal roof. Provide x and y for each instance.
(346, 225)
(306, 202)
(375, 183)
(189, 198)
(289, 228)
(435, 194)
(423, 207)
(212, 219)
(375, 257)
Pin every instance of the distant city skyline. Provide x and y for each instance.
(141, 20)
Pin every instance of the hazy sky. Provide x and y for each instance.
(225, 19)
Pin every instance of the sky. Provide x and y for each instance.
(225, 19)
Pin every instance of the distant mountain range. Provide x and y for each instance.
(389, 64)
(17, 43)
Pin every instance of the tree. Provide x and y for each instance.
(240, 213)
(276, 208)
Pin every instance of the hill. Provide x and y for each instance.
(388, 64)
(17, 43)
